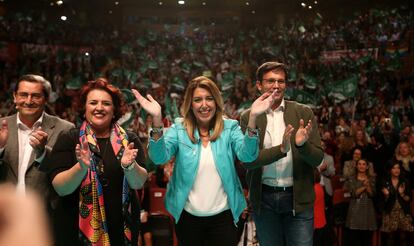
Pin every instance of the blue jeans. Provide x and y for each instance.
(277, 226)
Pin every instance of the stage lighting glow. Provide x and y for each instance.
(86, 53)
(303, 4)
(181, 2)
(116, 3)
(309, 7)
(64, 18)
(253, 12)
(247, 3)
(204, 3)
(316, 2)
(159, 3)
(60, 2)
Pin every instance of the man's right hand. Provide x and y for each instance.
(285, 146)
(4, 133)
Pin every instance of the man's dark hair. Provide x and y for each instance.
(270, 66)
(47, 88)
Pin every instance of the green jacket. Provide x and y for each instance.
(305, 158)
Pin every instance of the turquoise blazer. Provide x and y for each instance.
(232, 143)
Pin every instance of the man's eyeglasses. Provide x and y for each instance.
(273, 81)
(25, 95)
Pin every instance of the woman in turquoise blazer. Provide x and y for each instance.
(204, 195)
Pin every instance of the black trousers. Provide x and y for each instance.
(210, 230)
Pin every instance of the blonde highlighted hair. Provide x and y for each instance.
(190, 122)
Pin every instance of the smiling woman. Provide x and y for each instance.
(204, 194)
(94, 169)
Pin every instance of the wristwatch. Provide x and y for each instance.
(129, 167)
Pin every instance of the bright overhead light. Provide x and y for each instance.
(204, 3)
(63, 18)
(253, 12)
(86, 53)
(316, 2)
(303, 4)
(181, 2)
(247, 3)
(60, 2)
(116, 3)
(159, 3)
(310, 7)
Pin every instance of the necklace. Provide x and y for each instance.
(101, 162)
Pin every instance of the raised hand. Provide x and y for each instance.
(285, 146)
(129, 155)
(263, 103)
(4, 133)
(401, 189)
(150, 105)
(302, 135)
(37, 140)
(322, 167)
(385, 192)
(82, 155)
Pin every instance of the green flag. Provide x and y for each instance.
(126, 120)
(143, 68)
(227, 82)
(74, 83)
(167, 104)
(152, 65)
(128, 96)
(310, 81)
(131, 75)
(198, 64)
(178, 83)
(292, 74)
(394, 64)
(344, 89)
(142, 42)
(145, 83)
(174, 109)
(396, 121)
(186, 68)
(305, 98)
(125, 49)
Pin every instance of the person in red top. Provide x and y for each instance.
(319, 212)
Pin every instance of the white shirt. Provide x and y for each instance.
(25, 150)
(279, 173)
(207, 196)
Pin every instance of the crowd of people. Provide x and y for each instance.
(363, 134)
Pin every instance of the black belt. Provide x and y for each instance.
(275, 189)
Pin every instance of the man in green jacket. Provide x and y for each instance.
(281, 179)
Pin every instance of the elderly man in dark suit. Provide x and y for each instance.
(27, 136)
(281, 179)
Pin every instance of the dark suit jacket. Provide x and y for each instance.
(305, 158)
(9, 159)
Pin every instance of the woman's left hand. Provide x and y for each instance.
(263, 103)
(401, 189)
(129, 155)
